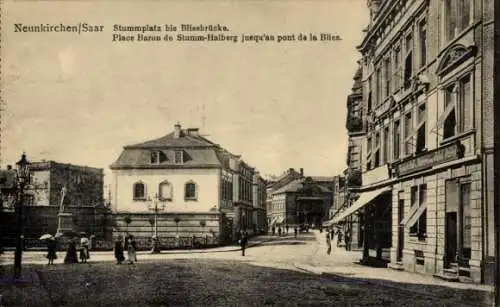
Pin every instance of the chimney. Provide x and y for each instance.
(193, 131)
(177, 130)
(301, 173)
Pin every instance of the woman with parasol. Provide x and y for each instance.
(51, 247)
(84, 248)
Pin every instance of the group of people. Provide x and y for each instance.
(285, 230)
(127, 244)
(74, 246)
(330, 235)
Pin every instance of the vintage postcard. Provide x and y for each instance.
(247, 153)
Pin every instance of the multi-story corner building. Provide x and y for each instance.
(301, 202)
(350, 183)
(202, 187)
(76, 189)
(272, 185)
(427, 175)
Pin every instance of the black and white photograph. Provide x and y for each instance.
(249, 153)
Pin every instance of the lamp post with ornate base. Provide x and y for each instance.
(23, 179)
(156, 206)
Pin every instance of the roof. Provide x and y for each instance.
(299, 184)
(323, 178)
(170, 141)
(193, 158)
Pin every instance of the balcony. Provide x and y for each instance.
(354, 124)
(354, 179)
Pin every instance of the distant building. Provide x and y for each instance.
(300, 202)
(82, 200)
(205, 189)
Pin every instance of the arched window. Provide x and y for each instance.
(165, 190)
(139, 190)
(190, 192)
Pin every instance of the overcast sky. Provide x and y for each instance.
(80, 98)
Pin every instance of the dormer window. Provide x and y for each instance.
(157, 157)
(179, 157)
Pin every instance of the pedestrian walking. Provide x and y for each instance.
(274, 230)
(332, 233)
(51, 250)
(279, 231)
(71, 255)
(295, 231)
(339, 238)
(130, 247)
(84, 250)
(119, 256)
(243, 243)
(328, 244)
(286, 229)
(347, 240)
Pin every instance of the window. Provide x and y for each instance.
(155, 157)
(139, 191)
(421, 137)
(369, 94)
(165, 190)
(466, 235)
(408, 134)
(408, 74)
(368, 153)
(458, 110)
(396, 140)
(377, 150)
(419, 198)
(190, 191)
(457, 17)
(378, 87)
(387, 77)
(179, 157)
(385, 145)
(397, 69)
(423, 43)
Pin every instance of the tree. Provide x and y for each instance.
(127, 220)
(177, 220)
(202, 225)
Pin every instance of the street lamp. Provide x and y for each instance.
(156, 206)
(23, 178)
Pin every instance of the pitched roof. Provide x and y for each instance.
(193, 158)
(299, 184)
(323, 178)
(170, 141)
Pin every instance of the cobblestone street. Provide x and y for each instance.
(275, 271)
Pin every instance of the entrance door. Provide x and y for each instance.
(451, 238)
(401, 230)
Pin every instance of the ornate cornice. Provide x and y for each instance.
(454, 56)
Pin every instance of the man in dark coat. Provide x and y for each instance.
(71, 254)
(119, 256)
(243, 242)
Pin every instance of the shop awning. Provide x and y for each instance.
(273, 221)
(364, 199)
(280, 220)
(415, 216)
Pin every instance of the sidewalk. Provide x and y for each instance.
(344, 263)
(38, 257)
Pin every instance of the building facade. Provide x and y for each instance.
(427, 174)
(77, 190)
(200, 187)
(302, 202)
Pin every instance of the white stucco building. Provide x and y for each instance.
(202, 187)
